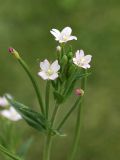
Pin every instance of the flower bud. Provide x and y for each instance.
(58, 48)
(14, 52)
(79, 92)
(64, 60)
(70, 55)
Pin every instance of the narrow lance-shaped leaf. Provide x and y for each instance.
(34, 119)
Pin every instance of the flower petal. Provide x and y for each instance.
(43, 75)
(55, 33)
(44, 65)
(66, 31)
(53, 76)
(11, 114)
(77, 54)
(81, 53)
(3, 102)
(55, 66)
(72, 38)
(88, 58)
(85, 66)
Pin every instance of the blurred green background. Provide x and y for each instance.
(25, 25)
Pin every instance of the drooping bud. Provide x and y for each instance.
(79, 92)
(58, 48)
(14, 52)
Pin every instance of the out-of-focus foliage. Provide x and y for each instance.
(25, 25)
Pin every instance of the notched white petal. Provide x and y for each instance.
(53, 76)
(55, 66)
(88, 58)
(66, 31)
(44, 65)
(81, 53)
(43, 75)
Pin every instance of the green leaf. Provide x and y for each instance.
(25, 147)
(58, 97)
(9, 154)
(34, 119)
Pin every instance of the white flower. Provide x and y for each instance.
(11, 114)
(64, 35)
(81, 60)
(49, 71)
(3, 102)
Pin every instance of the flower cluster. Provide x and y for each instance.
(62, 75)
(50, 71)
(8, 111)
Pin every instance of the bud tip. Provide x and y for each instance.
(58, 48)
(10, 49)
(79, 92)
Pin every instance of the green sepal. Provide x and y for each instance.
(33, 119)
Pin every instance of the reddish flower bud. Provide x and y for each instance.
(14, 52)
(79, 92)
(10, 50)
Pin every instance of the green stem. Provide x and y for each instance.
(54, 114)
(48, 143)
(78, 126)
(9, 154)
(47, 94)
(47, 149)
(26, 68)
(69, 113)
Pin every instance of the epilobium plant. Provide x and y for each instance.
(62, 76)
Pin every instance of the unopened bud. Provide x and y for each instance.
(10, 50)
(64, 60)
(79, 92)
(58, 48)
(14, 52)
(70, 55)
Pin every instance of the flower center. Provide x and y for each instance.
(65, 37)
(82, 61)
(49, 72)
